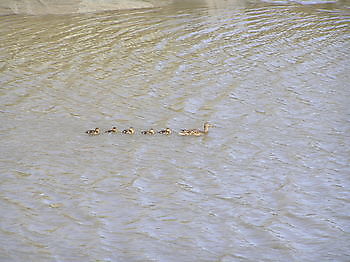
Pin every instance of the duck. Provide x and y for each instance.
(129, 131)
(93, 132)
(196, 132)
(148, 132)
(113, 130)
(166, 131)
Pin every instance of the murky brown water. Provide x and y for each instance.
(269, 183)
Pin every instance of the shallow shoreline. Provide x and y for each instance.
(44, 7)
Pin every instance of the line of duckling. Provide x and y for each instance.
(167, 131)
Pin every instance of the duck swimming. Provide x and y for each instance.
(148, 132)
(129, 131)
(93, 132)
(113, 130)
(166, 131)
(196, 132)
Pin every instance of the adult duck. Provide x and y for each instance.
(196, 132)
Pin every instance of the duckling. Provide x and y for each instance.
(196, 132)
(113, 130)
(129, 131)
(148, 132)
(93, 132)
(166, 131)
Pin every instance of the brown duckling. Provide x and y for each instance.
(113, 130)
(148, 132)
(196, 132)
(166, 131)
(93, 132)
(129, 131)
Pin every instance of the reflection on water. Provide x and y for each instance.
(269, 183)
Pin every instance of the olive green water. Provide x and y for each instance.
(269, 183)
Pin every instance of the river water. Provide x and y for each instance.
(269, 183)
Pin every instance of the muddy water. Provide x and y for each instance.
(269, 183)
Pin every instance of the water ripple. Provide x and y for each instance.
(271, 175)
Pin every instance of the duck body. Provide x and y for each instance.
(93, 132)
(113, 130)
(166, 131)
(148, 132)
(196, 132)
(129, 131)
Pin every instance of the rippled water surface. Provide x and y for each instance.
(269, 183)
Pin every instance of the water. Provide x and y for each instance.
(269, 183)
(44, 7)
